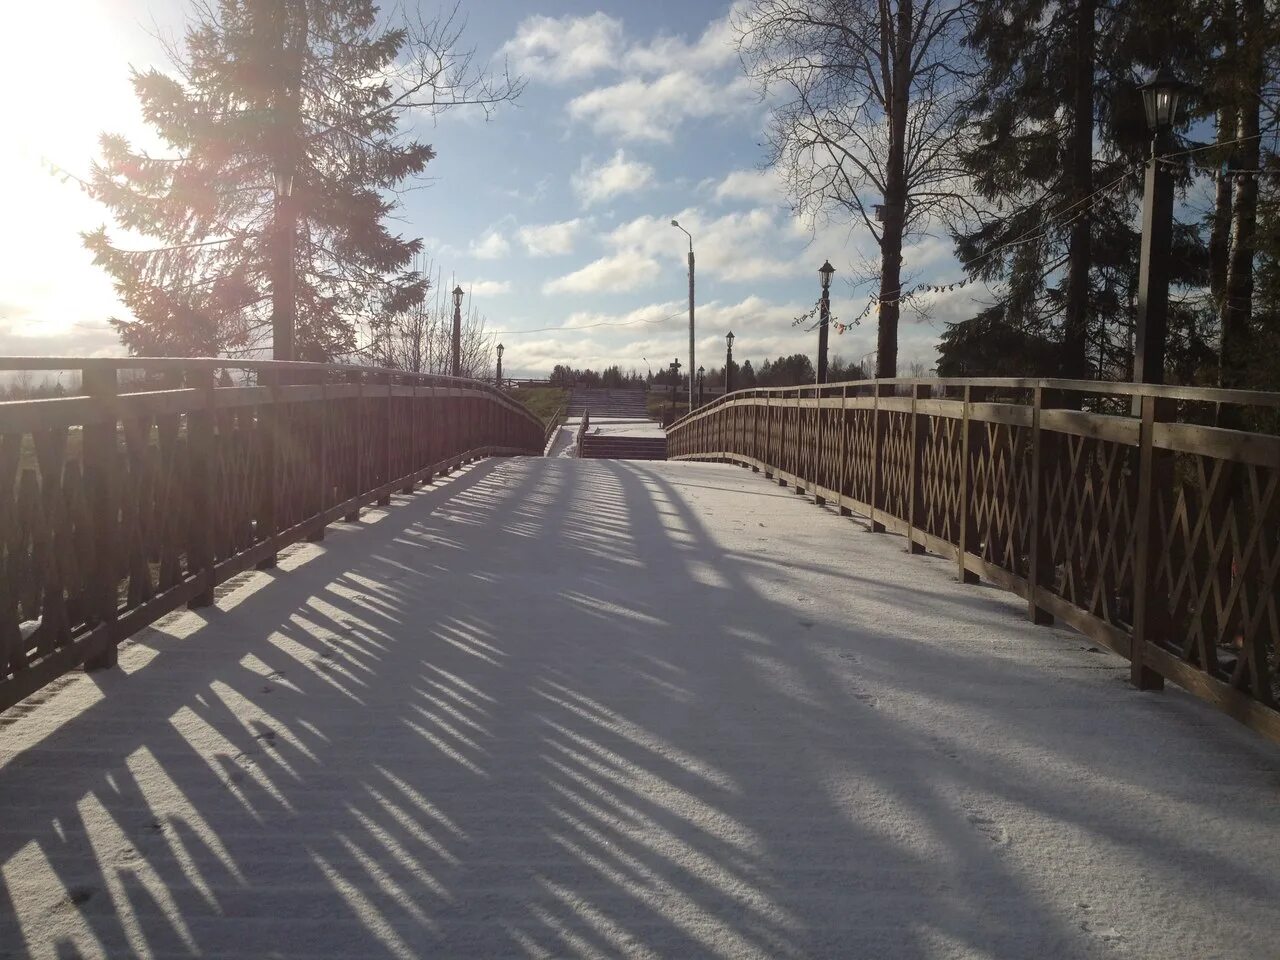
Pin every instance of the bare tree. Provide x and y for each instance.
(864, 96)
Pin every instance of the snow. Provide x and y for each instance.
(599, 708)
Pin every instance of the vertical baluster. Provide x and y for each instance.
(967, 533)
(1151, 610)
(916, 468)
(102, 476)
(200, 442)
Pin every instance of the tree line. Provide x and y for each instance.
(1016, 128)
(784, 371)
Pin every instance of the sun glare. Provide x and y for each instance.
(64, 69)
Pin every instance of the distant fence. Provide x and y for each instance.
(117, 507)
(1153, 534)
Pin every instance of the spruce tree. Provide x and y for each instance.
(263, 92)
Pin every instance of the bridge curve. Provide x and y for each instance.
(600, 708)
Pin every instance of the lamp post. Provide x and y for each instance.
(457, 330)
(676, 224)
(675, 383)
(824, 317)
(728, 362)
(499, 378)
(283, 302)
(702, 371)
(1160, 97)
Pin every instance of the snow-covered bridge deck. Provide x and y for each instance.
(561, 707)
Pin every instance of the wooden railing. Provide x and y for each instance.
(156, 480)
(1116, 508)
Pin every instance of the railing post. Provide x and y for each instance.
(102, 476)
(358, 445)
(1150, 610)
(798, 458)
(325, 476)
(200, 452)
(915, 470)
(820, 458)
(415, 453)
(387, 476)
(1040, 565)
(967, 528)
(267, 521)
(877, 454)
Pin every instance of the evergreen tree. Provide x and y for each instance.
(307, 94)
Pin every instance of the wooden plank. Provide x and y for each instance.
(1236, 445)
(1095, 426)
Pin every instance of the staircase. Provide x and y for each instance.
(623, 404)
(603, 446)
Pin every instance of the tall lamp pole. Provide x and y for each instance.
(283, 302)
(1160, 97)
(675, 382)
(499, 378)
(824, 317)
(676, 224)
(457, 330)
(728, 362)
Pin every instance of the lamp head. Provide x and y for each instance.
(1160, 97)
(458, 294)
(729, 338)
(825, 271)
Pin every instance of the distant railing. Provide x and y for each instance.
(142, 492)
(583, 426)
(553, 427)
(1117, 508)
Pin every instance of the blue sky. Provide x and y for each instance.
(554, 213)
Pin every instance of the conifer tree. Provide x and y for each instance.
(280, 119)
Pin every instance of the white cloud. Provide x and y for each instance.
(551, 239)
(492, 246)
(563, 48)
(739, 246)
(760, 186)
(640, 109)
(615, 176)
(489, 288)
(620, 272)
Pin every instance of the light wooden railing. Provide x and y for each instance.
(1119, 509)
(153, 482)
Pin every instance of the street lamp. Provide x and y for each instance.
(458, 294)
(676, 224)
(675, 382)
(283, 301)
(728, 362)
(824, 322)
(702, 371)
(1160, 97)
(499, 378)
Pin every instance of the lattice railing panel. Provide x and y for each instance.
(1219, 568)
(940, 474)
(1000, 496)
(1087, 524)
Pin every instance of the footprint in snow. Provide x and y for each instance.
(989, 828)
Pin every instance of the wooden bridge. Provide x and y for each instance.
(379, 688)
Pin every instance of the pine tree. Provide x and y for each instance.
(307, 92)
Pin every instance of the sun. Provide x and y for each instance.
(64, 68)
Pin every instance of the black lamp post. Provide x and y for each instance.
(457, 330)
(499, 378)
(702, 372)
(1160, 97)
(728, 362)
(824, 317)
(675, 384)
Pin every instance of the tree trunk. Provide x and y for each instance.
(1237, 302)
(1220, 235)
(1075, 332)
(895, 194)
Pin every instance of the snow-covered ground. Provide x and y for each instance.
(599, 708)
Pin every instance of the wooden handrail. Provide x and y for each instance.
(1155, 536)
(116, 508)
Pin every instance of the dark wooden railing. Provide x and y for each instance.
(1116, 508)
(156, 480)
